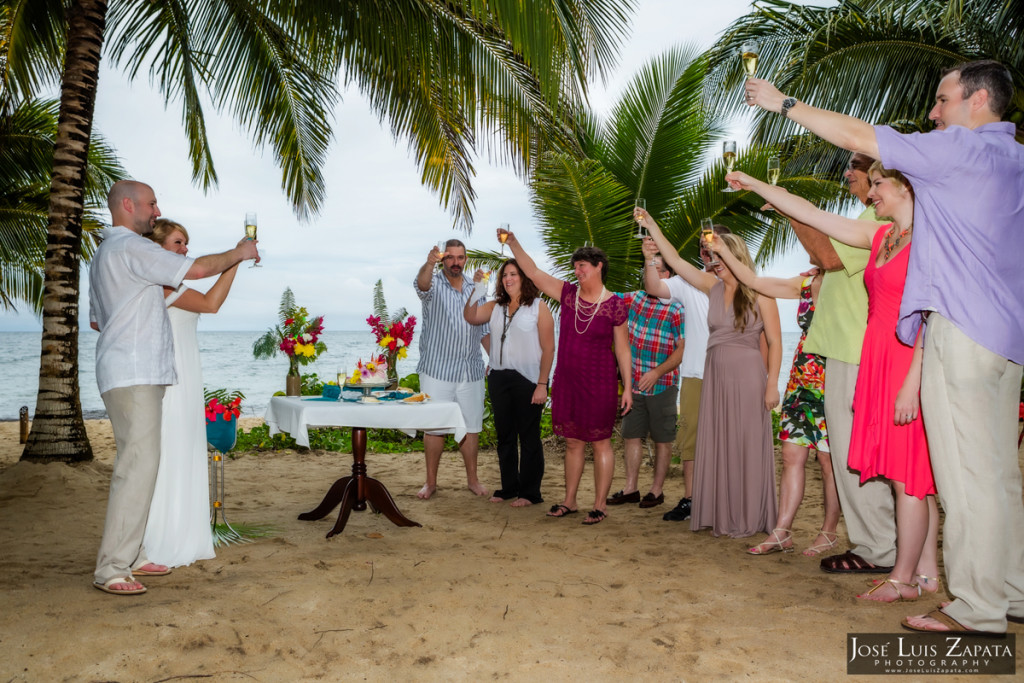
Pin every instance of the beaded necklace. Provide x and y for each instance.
(890, 246)
(507, 320)
(588, 315)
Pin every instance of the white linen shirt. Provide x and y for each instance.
(126, 300)
(521, 347)
(695, 333)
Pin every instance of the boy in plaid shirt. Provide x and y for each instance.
(656, 341)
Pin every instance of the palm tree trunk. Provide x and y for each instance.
(58, 430)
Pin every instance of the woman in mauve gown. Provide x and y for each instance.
(734, 467)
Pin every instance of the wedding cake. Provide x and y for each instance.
(373, 371)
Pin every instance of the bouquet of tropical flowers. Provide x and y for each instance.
(297, 336)
(394, 334)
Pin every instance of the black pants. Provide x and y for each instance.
(517, 423)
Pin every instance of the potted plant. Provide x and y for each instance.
(223, 408)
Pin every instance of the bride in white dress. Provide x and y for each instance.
(178, 529)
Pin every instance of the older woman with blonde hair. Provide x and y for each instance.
(734, 468)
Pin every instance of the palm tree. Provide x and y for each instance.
(27, 135)
(449, 75)
(878, 60)
(655, 145)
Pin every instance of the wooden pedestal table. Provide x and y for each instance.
(353, 492)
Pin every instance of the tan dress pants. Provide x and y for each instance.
(969, 398)
(869, 509)
(134, 414)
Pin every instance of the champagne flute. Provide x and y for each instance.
(749, 52)
(729, 157)
(641, 203)
(250, 232)
(774, 170)
(707, 236)
(502, 237)
(440, 246)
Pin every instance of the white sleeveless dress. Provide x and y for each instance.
(178, 530)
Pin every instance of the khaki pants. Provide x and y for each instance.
(969, 398)
(135, 418)
(689, 409)
(869, 508)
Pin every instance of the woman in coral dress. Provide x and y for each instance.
(888, 434)
(593, 354)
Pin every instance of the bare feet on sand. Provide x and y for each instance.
(477, 488)
(426, 492)
(497, 499)
(520, 503)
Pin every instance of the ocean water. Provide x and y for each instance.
(227, 364)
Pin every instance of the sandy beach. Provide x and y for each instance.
(481, 591)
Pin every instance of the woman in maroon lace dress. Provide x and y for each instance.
(592, 345)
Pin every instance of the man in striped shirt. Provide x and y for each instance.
(451, 367)
(656, 340)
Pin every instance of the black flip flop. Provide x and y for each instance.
(559, 511)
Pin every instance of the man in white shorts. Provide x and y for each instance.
(451, 367)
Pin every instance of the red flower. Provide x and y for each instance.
(783, 434)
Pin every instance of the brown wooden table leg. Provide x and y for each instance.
(354, 491)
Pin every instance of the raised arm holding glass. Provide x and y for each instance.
(734, 469)
(888, 433)
(593, 344)
(965, 278)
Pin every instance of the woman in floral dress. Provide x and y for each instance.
(802, 420)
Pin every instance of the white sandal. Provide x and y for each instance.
(819, 548)
(107, 586)
(773, 546)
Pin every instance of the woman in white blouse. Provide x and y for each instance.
(521, 352)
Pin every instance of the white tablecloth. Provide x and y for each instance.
(294, 415)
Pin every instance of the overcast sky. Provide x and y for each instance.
(378, 220)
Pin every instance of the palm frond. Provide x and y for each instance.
(27, 133)
(878, 60)
(380, 306)
(580, 202)
(287, 304)
(659, 133)
(32, 35)
(251, 66)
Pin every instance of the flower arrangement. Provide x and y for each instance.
(223, 405)
(394, 334)
(297, 336)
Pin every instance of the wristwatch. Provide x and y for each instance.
(788, 104)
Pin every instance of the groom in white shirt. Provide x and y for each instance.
(134, 362)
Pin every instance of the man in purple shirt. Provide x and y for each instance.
(965, 277)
